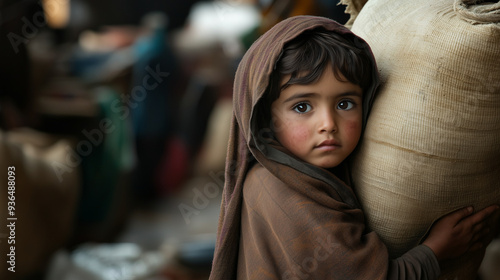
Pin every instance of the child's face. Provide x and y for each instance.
(320, 122)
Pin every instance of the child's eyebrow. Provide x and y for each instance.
(312, 94)
(299, 96)
(351, 93)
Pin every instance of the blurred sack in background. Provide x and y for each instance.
(44, 204)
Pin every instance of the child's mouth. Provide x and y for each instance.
(329, 145)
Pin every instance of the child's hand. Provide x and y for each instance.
(460, 232)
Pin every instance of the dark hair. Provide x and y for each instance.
(306, 57)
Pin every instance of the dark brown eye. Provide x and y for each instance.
(302, 108)
(345, 105)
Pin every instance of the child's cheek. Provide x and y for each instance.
(297, 135)
(353, 130)
(301, 134)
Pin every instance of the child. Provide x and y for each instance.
(301, 99)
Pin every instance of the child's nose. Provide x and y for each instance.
(327, 122)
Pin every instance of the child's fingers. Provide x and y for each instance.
(460, 214)
(482, 232)
(481, 239)
(478, 228)
(482, 215)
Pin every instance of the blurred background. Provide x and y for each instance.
(114, 116)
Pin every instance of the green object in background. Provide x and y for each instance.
(110, 157)
(249, 37)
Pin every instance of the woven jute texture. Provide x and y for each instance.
(432, 143)
(353, 7)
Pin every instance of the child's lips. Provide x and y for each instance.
(330, 144)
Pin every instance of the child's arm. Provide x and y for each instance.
(450, 237)
(460, 232)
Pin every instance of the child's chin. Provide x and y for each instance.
(327, 165)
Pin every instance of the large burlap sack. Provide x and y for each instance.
(353, 7)
(432, 143)
(43, 203)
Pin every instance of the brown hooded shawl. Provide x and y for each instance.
(282, 218)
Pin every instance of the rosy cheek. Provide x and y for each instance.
(301, 134)
(296, 136)
(353, 129)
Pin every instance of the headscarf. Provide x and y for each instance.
(247, 143)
